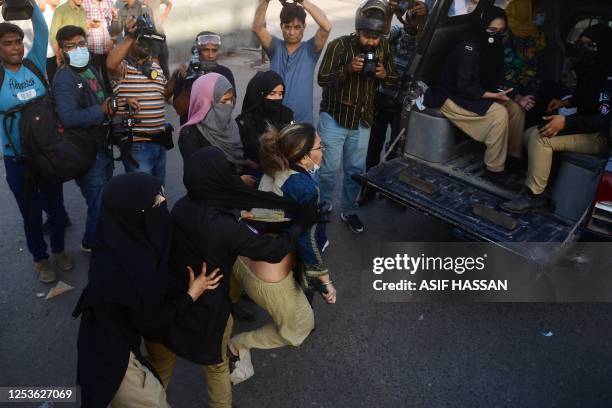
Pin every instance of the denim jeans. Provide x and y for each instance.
(30, 206)
(348, 146)
(151, 159)
(91, 185)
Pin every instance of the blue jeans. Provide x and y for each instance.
(348, 146)
(30, 206)
(91, 185)
(151, 159)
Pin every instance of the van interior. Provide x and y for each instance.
(441, 169)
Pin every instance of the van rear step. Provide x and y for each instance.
(469, 207)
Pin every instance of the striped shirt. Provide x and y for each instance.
(349, 98)
(150, 95)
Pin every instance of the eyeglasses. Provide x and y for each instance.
(321, 148)
(69, 46)
(206, 39)
(289, 27)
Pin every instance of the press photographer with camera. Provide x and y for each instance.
(84, 108)
(352, 69)
(23, 80)
(205, 53)
(136, 73)
(389, 99)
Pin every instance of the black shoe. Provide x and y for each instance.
(525, 202)
(353, 222)
(494, 177)
(241, 314)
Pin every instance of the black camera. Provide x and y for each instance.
(370, 61)
(17, 10)
(145, 30)
(197, 67)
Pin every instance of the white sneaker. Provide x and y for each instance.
(243, 368)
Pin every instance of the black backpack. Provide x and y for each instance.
(55, 156)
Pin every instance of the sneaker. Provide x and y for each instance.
(64, 262)
(85, 248)
(325, 245)
(45, 271)
(241, 368)
(353, 222)
(526, 201)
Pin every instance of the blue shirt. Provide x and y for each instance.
(297, 71)
(21, 86)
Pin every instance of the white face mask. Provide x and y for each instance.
(315, 167)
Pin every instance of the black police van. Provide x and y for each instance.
(439, 171)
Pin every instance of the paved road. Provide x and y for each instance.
(361, 354)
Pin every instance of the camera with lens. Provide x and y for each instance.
(370, 61)
(145, 30)
(17, 10)
(197, 67)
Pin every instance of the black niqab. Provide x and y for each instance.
(491, 54)
(262, 110)
(209, 180)
(131, 245)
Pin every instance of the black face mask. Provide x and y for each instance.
(494, 39)
(271, 107)
(581, 56)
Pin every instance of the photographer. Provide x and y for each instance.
(205, 53)
(83, 106)
(352, 69)
(389, 99)
(23, 81)
(137, 74)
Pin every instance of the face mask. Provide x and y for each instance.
(272, 106)
(79, 57)
(538, 19)
(495, 38)
(315, 168)
(222, 114)
(581, 56)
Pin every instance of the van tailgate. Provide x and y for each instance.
(471, 208)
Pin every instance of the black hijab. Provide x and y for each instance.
(129, 263)
(209, 180)
(262, 110)
(491, 47)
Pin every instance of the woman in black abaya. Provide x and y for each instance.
(125, 296)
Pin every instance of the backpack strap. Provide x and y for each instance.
(29, 64)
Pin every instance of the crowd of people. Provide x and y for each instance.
(260, 186)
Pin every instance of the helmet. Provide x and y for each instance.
(372, 16)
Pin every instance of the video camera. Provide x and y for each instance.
(145, 30)
(17, 10)
(197, 67)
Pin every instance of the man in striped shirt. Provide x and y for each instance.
(136, 74)
(349, 79)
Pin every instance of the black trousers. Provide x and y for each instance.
(386, 113)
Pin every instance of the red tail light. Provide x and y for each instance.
(601, 217)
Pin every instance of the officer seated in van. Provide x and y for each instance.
(471, 97)
(586, 131)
